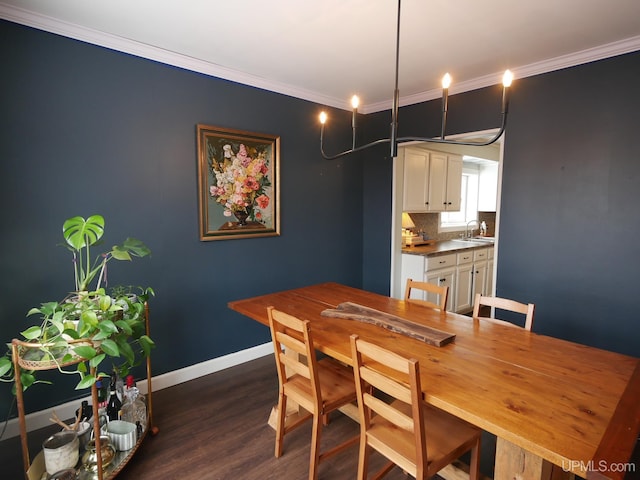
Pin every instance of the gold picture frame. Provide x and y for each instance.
(238, 183)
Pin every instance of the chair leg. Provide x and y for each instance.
(282, 409)
(474, 467)
(314, 456)
(363, 459)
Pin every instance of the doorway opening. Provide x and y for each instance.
(487, 208)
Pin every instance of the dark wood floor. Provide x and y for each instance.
(214, 428)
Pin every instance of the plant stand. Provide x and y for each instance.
(35, 470)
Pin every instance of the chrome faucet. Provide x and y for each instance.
(466, 232)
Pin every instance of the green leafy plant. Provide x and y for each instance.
(88, 326)
(80, 235)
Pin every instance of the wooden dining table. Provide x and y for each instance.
(557, 408)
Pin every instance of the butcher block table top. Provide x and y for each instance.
(572, 405)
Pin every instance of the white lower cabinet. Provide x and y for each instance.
(464, 281)
(444, 277)
(471, 277)
(479, 279)
(466, 273)
(413, 266)
(439, 270)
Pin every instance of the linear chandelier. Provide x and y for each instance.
(393, 139)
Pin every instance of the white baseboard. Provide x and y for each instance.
(40, 419)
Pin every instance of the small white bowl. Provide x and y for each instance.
(61, 451)
(122, 434)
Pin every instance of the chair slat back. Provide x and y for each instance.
(291, 343)
(441, 291)
(526, 309)
(379, 368)
(294, 357)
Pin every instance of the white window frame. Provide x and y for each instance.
(455, 221)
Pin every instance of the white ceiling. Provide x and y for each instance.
(327, 50)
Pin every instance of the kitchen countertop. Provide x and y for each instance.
(446, 246)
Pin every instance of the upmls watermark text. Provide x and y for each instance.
(599, 466)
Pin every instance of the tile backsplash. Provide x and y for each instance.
(428, 223)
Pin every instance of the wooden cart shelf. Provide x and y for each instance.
(35, 470)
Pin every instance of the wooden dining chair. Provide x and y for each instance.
(319, 387)
(419, 438)
(503, 304)
(441, 292)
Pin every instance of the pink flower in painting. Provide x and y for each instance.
(241, 180)
(251, 183)
(243, 157)
(262, 201)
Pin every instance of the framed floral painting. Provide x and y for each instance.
(238, 191)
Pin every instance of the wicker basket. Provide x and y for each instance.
(26, 352)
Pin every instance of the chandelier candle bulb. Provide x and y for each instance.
(355, 101)
(506, 83)
(446, 82)
(507, 78)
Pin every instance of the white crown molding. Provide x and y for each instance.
(120, 44)
(52, 25)
(565, 61)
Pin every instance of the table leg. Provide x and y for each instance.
(516, 463)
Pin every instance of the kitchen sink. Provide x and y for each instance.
(476, 240)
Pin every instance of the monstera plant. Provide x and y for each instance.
(89, 325)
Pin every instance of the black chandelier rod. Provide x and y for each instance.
(396, 95)
(393, 139)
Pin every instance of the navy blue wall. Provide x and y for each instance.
(87, 130)
(570, 220)
(570, 224)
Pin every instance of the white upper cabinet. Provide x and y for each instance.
(452, 195)
(416, 180)
(432, 181)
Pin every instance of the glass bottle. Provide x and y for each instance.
(118, 384)
(131, 382)
(102, 394)
(85, 411)
(114, 406)
(134, 410)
